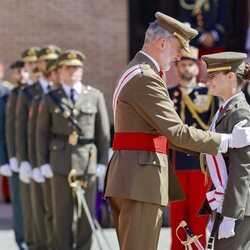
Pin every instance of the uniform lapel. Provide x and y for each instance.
(64, 98)
(229, 106)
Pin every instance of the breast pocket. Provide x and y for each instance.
(87, 115)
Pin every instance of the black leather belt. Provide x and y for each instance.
(74, 139)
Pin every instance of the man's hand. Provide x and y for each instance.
(14, 164)
(226, 228)
(37, 175)
(25, 172)
(100, 173)
(47, 171)
(5, 170)
(240, 136)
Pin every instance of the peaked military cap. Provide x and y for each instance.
(71, 58)
(181, 31)
(30, 54)
(192, 54)
(224, 61)
(51, 66)
(49, 52)
(17, 65)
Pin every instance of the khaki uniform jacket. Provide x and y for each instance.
(24, 100)
(236, 202)
(53, 131)
(144, 106)
(10, 122)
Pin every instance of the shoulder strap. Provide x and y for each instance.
(66, 114)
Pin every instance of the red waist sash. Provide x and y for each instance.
(140, 141)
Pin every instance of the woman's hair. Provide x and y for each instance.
(154, 32)
(242, 73)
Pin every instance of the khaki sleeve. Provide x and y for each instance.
(102, 132)
(43, 131)
(22, 110)
(150, 99)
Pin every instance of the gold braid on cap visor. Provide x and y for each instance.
(219, 69)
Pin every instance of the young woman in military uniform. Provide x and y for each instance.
(230, 172)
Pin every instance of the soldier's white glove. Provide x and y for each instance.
(37, 175)
(14, 164)
(240, 136)
(100, 173)
(5, 170)
(25, 172)
(47, 171)
(226, 228)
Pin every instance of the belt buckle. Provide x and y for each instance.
(73, 138)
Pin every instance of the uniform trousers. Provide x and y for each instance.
(17, 211)
(25, 195)
(48, 206)
(241, 239)
(137, 223)
(39, 233)
(63, 211)
(192, 182)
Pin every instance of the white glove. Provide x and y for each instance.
(226, 228)
(100, 173)
(5, 170)
(14, 164)
(240, 136)
(25, 172)
(37, 175)
(46, 171)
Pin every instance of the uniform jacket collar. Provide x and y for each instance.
(142, 58)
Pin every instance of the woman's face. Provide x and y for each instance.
(219, 85)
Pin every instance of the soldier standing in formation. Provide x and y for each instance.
(19, 77)
(72, 133)
(139, 181)
(196, 106)
(40, 198)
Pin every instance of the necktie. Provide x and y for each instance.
(161, 73)
(48, 88)
(221, 108)
(72, 96)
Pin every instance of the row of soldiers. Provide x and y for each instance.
(53, 123)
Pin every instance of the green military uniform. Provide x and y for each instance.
(40, 196)
(236, 202)
(53, 133)
(26, 93)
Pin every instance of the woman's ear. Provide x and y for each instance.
(231, 75)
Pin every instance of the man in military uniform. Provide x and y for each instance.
(72, 133)
(25, 97)
(139, 181)
(18, 78)
(42, 213)
(196, 106)
(210, 18)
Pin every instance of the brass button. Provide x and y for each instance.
(54, 147)
(57, 110)
(154, 162)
